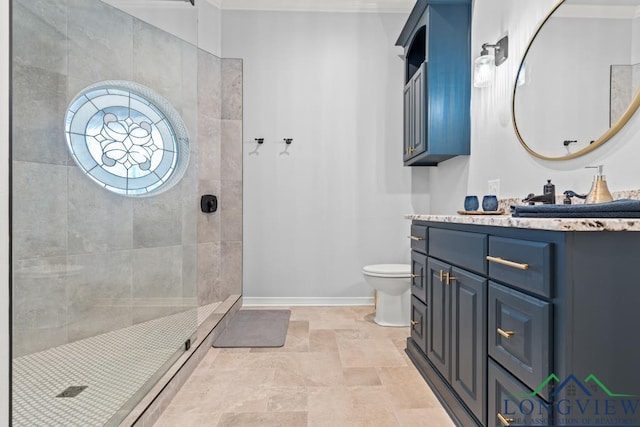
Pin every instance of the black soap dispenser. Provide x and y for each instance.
(550, 189)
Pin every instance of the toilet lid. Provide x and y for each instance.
(388, 270)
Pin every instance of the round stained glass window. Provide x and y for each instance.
(127, 138)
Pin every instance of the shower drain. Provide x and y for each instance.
(72, 391)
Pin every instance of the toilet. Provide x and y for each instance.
(393, 285)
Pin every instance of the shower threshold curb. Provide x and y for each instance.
(147, 412)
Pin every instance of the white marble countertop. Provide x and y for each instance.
(553, 224)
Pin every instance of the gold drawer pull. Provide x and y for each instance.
(416, 238)
(505, 421)
(508, 263)
(415, 276)
(414, 323)
(506, 334)
(449, 278)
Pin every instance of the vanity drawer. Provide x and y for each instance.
(419, 323)
(419, 238)
(461, 248)
(521, 263)
(419, 276)
(505, 395)
(519, 334)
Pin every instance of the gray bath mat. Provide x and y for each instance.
(255, 328)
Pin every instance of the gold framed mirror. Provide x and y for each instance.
(579, 81)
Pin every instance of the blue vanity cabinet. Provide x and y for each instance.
(419, 323)
(456, 343)
(468, 343)
(437, 78)
(546, 318)
(439, 302)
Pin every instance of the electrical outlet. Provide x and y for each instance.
(494, 187)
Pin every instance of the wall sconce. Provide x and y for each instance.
(484, 68)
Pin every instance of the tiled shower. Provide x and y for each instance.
(106, 288)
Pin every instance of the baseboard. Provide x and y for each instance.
(313, 301)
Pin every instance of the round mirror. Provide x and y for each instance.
(579, 81)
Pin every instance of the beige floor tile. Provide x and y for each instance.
(350, 406)
(247, 360)
(407, 389)
(231, 397)
(309, 369)
(349, 334)
(322, 340)
(241, 376)
(337, 369)
(361, 376)
(188, 419)
(361, 353)
(433, 417)
(288, 399)
(264, 419)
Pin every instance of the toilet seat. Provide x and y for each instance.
(388, 270)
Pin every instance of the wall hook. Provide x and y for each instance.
(259, 140)
(288, 141)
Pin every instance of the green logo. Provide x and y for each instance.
(572, 380)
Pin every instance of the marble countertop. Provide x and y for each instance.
(553, 224)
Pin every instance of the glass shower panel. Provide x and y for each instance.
(104, 285)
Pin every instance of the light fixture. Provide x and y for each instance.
(484, 68)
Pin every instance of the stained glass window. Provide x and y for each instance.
(127, 138)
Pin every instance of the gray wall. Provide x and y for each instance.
(220, 173)
(87, 261)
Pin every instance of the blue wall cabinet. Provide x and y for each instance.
(437, 78)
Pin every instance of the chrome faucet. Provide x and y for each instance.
(548, 197)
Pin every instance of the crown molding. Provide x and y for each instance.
(378, 6)
(164, 4)
(597, 11)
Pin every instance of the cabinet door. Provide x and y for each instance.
(408, 120)
(419, 276)
(468, 339)
(419, 323)
(438, 324)
(419, 99)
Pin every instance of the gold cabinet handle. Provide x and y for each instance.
(414, 323)
(517, 265)
(416, 238)
(505, 421)
(415, 276)
(506, 334)
(441, 275)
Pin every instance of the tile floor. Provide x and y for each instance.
(337, 368)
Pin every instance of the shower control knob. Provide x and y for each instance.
(209, 203)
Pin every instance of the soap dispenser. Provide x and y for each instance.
(599, 192)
